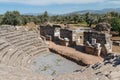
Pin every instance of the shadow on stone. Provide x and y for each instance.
(71, 59)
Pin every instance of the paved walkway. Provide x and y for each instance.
(74, 54)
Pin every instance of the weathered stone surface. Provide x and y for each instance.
(17, 44)
(17, 49)
(60, 33)
(19, 73)
(99, 71)
(102, 36)
(103, 27)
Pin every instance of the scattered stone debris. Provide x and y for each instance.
(98, 71)
(103, 27)
(18, 47)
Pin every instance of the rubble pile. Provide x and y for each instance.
(108, 70)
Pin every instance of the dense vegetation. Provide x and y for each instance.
(15, 18)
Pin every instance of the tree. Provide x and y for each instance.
(45, 16)
(76, 18)
(0, 18)
(11, 18)
(115, 23)
(89, 19)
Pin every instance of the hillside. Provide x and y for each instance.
(103, 11)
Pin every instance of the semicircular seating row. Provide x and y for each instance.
(18, 47)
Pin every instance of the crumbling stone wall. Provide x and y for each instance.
(99, 37)
(70, 34)
(106, 27)
(61, 33)
(47, 30)
(64, 33)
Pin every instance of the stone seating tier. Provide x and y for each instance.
(18, 47)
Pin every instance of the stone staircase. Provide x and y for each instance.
(18, 47)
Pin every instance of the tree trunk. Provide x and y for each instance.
(119, 32)
(90, 24)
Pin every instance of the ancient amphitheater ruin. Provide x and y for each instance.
(18, 48)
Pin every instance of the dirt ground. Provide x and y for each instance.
(115, 38)
(116, 49)
(74, 54)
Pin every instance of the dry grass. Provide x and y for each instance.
(116, 38)
(116, 49)
(79, 25)
(74, 54)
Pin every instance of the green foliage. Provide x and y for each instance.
(43, 18)
(12, 18)
(115, 23)
(0, 19)
(114, 14)
(67, 19)
(91, 19)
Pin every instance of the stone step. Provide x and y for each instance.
(27, 48)
(20, 40)
(9, 54)
(35, 49)
(18, 61)
(2, 46)
(2, 41)
(25, 60)
(20, 36)
(13, 59)
(25, 45)
(16, 41)
(14, 38)
(9, 33)
(30, 44)
(31, 50)
(24, 42)
(21, 47)
(14, 35)
(4, 51)
(41, 51)
(3, 31)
